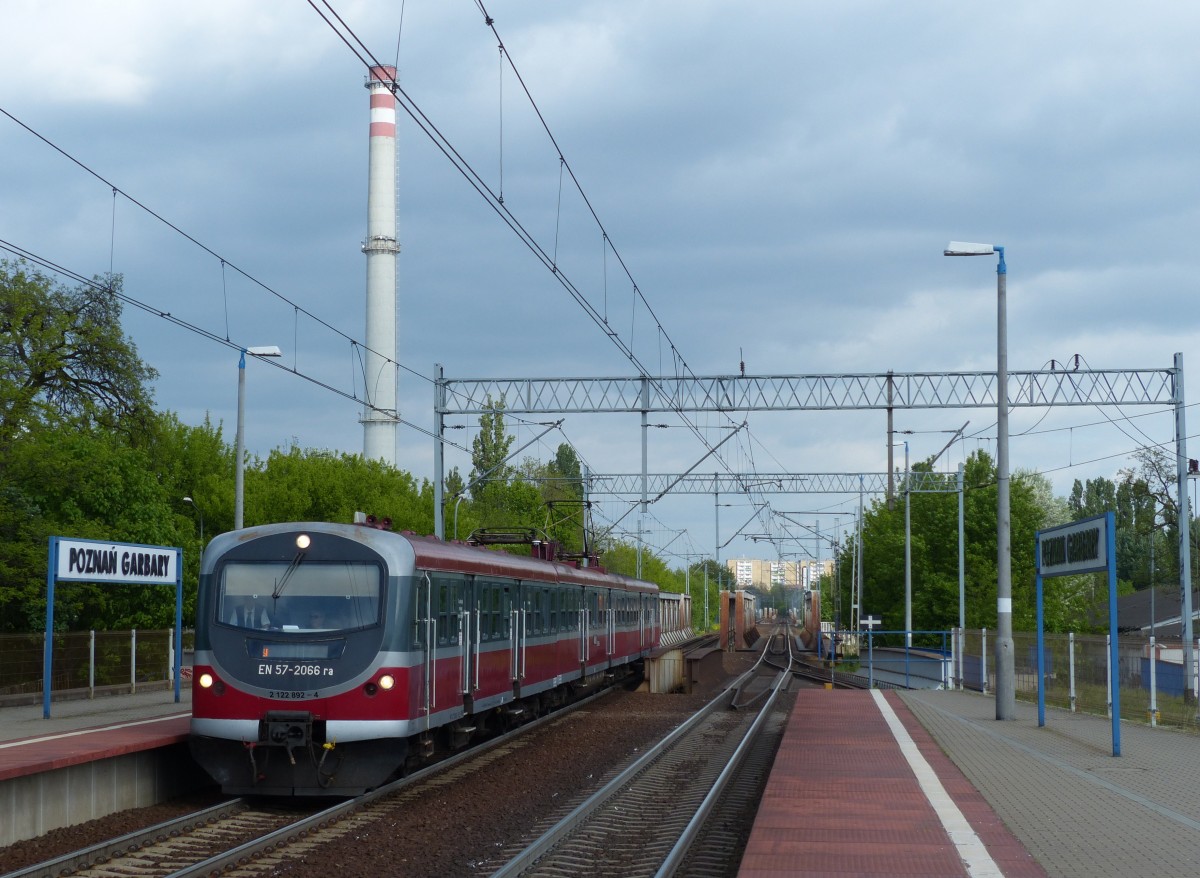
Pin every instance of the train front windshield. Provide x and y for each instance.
(302, 597)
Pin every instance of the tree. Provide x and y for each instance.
(315, 485)
(63, 356)
(91, 484)
(621, 557)
(490, 450)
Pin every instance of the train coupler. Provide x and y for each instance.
(286, 728)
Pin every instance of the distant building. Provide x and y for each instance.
(763, 574)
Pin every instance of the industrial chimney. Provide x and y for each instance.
(379, 364)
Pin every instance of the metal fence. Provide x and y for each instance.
(1154, 685)
(88, 660)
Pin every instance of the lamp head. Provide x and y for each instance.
(265, 351)
(962, 248)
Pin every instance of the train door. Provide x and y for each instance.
(640, 603)
(586, 600)
(614, 605)
(436, 634)
(423, 639)
(468, 641)
(519, 625)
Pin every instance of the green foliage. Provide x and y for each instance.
(623, 558)
(90, 484)
(312, 485)
(489, 453)
(63, 357)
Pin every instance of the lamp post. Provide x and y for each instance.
(1006, 705)
(190, 502)
(266, 351)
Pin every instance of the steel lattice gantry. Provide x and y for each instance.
(880, 391)
(900, 390)
(627, 484)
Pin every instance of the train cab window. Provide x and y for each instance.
(313, 596)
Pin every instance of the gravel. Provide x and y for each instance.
(454, 829)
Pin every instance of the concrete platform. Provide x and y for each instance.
(91, 758)
(966, 794)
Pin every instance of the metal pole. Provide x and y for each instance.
(962, 564)
(240, 445)
(1185, 517)
(439, 466)
(891, 496)
(717, 547)
(1006, 704)
(962, 573)
(1006, 696)
(644, 508)
(859, 547)
(908, 623)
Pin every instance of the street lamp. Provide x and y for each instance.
(1006, 704)
(190, 502)
(266, 351)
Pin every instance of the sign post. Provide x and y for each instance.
(1086, 546)
(869, 622)
(73, 560)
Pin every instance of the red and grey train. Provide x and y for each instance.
(327, 655)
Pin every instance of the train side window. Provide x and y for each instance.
(442, 602)
(491, 610)
(504, 613)
(418, 613)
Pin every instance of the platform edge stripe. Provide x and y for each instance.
(57, 736)
(970, 847)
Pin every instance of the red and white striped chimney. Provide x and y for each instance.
(380, 370)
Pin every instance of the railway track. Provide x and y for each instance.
(299, 843)
(251, 839)
(646, 820)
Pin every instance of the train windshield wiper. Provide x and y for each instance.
(287, 575)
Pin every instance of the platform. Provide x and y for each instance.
(847, 795)
(91, 758)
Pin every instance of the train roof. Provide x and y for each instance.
(431, 553)
(434, 554)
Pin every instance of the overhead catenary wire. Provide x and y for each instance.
(360, 50)
(49, 265)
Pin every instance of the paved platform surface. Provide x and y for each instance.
(26, 721)
(84, 730)
(859, 788)
(1079, 810)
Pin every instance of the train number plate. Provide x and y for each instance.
(292, 696)
(293, 669)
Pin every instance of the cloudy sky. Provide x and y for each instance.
(779, 178)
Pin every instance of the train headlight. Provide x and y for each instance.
(206, 681)
(386, 682)
(303, 542)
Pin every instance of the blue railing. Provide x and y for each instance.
(878, 654)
